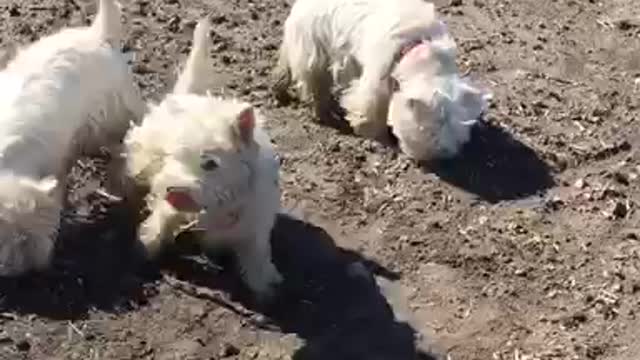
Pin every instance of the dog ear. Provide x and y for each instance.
(471, 100)
(181, 200)
(245, 123)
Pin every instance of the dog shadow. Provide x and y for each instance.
(495, 166)
(329, 297)
(93, 269)
(95, 265)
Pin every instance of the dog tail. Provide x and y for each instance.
(193, 79)
(107, 23)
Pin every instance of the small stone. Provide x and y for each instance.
(580, 184)
(521, 272)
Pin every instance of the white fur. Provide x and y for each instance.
(188, 128)
(63, 92)
(355, 45)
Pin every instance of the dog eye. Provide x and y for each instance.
(209, 165)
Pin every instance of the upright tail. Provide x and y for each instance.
(193, 78)
(107, 23)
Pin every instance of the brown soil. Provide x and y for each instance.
(525, 247)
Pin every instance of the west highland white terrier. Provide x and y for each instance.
(67, 92)
(206, 160)
(395, 62)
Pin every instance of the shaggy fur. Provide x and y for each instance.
(58, 95)
(359, 46)
(207, 160)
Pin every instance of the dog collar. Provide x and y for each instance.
(407, 47)
(404, 50)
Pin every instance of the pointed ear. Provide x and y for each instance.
(47, 185)
(245, 123)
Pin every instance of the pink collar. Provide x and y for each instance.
(407, 47)
(438, 29)
(404, 50)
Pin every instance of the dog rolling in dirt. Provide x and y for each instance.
(394, 61)
(206, 161)
(66, 93)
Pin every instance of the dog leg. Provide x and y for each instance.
(157, 230)
(282, 79)
(366, 103)
(254, 260)
(318, 85)
(367, 99)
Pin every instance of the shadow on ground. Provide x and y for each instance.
(92, 269)
(495, 166)
(329, 298)
(95, 261)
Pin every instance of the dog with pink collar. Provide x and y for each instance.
(394, 64)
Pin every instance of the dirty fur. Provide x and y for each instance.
(357, 46)
(216, 153)
(68, 92)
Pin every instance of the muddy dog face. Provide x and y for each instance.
(217, 152)
(432, 109)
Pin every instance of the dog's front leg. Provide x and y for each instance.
(254, 260)
(157, 230)
(366, 103)
(367, 99)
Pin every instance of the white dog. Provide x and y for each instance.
(67, 91)
(206, 160)
(397, 63)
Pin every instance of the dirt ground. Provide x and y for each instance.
(525, 247)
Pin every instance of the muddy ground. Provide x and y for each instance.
(525, 247)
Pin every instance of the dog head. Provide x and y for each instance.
(432, 109)
(214, 157)
(29, 219)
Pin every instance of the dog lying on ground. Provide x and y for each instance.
(68, 92)
(206, 160)
(395, 62)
